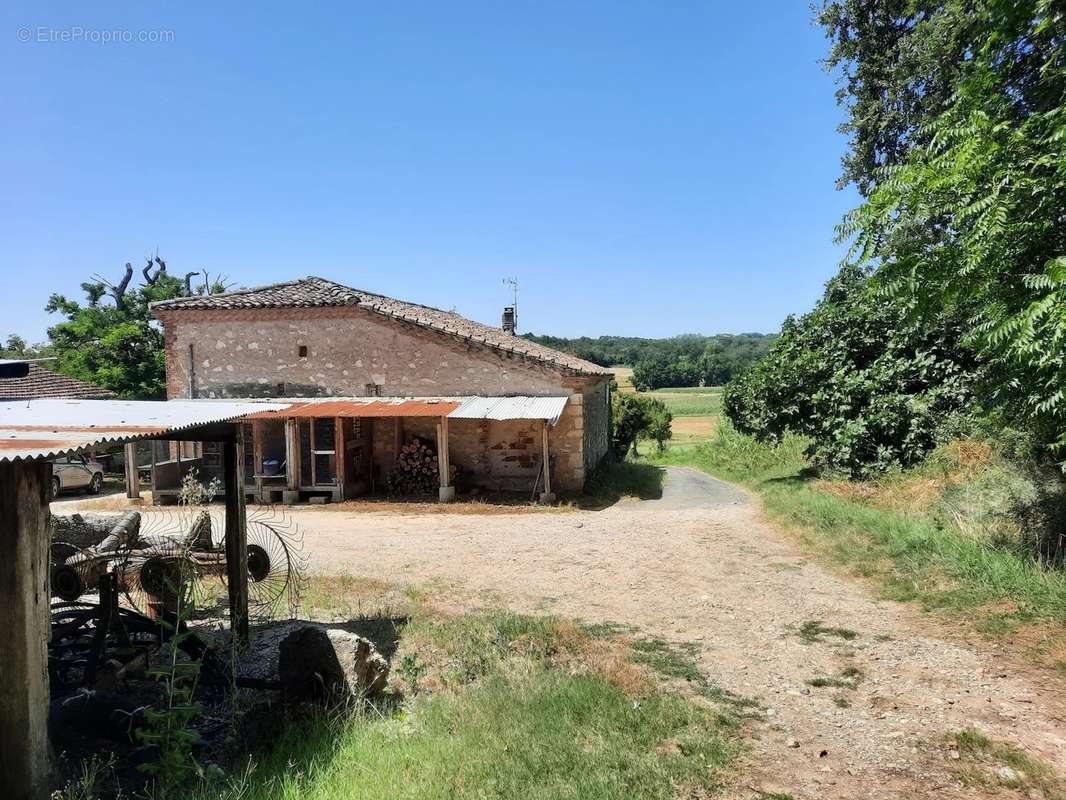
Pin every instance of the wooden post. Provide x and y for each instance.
(339, 439)
(24, 596)
(152, 446)
(447, 491)
(236, 536)
(547, 496)
(292, 454)
(133, 475)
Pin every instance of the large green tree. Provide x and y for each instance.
(871, 388)
(110, 339)
(966, 187)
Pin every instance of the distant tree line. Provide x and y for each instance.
(688, 360)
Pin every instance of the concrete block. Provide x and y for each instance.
(319, 499)
(547, 498)
(446, 494)
(290, 498)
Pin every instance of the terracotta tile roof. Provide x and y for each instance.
(41, 382)
(314, 292)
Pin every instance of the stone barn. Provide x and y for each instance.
(376, 373)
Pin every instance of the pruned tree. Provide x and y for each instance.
(118, 345)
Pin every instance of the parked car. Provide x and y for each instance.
(77, 472)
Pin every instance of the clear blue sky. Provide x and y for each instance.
(643, 168)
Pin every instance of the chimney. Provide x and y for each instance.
(510, 321)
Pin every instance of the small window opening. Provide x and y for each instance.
(373, 390)
(301, 351)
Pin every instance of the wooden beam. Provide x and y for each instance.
(338, 456)
(447, 491)
(214, 432)
(24, 596)
(547, 460)
(236, 537)
(133, 475)
(292, 453)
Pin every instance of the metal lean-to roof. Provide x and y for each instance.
(503, 408)
(50, 427)
(46, 428)
(366, 407)
(496, 408)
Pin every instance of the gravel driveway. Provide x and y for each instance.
(700, 565)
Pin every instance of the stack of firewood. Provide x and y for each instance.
(417, 469)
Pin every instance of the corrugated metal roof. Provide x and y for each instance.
(502, 408)
(498, 408)
(46, 428)
(367, 407)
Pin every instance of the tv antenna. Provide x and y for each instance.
(513, 283)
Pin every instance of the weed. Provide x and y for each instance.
(169, 728)
(411, 670)
(669, 660)
(678, 661)
(841, 702)
(982, 761)
(847, 678)
(86, 786)
(815, 631)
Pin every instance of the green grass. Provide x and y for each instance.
(702, 401)
(678, 662)
(503, 706)
(814, 630)
(537, 734)
(848, 678)
(980, 759)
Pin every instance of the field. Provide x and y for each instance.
(698, 401)
(696, 409)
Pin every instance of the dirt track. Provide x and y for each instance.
(701, 566)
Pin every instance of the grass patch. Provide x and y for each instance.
(848, 678)
(503, 705)
(991, 765)
(540, 734)
(678, 662)
(814, 630)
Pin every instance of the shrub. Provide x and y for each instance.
(635, 416)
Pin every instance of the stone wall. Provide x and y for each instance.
(256, 353)
(348, 351)
(597, 424)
